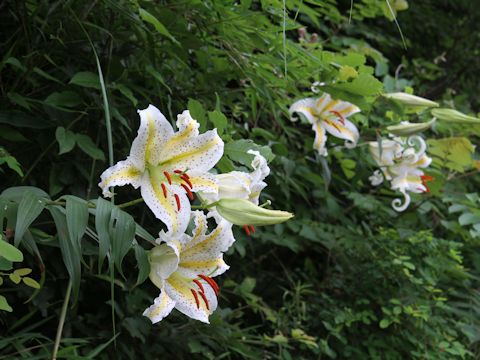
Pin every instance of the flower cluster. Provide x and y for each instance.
(171, 167)
(401, 160)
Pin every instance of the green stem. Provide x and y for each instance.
(130, 203)
(58, 337)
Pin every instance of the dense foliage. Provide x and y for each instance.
(348, 277)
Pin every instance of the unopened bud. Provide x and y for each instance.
(406, 128)
(451, 115)
(410, 100)
(244, 212)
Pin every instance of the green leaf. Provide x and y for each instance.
(143, 264)
(76, 212)
(218, 120)
(65, 139)
(454, 153)
(103, 213)
(4, 304)
(198, 113)
(23, 271)
(16, 193)
(86, 79)
(122, 234)
(10, 252)
(238, 151)
(127, 93)
(363, 85)
(30, 207)
(88, 147)
(152, 20)
(70, 250)
(384, 323)
(157, 76)
(31, 282)
(12, 163)
(64, 99)
(15, 278)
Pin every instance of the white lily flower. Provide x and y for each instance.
(328, 115)
(182, 267)
(168, 166)
(401, 161)
(240, 185)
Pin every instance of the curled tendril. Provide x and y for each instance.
(350, 144)
(418, 141)
(397, 203)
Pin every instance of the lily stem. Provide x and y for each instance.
(130, 203)
(63, 314)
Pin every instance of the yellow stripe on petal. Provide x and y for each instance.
(179, 138)
(166, 205)
(150, 137)
(202, 265)
(161, 307)
(203, 183)
(126, 174)
(204, 245)
(330, 105)
(184, 292)
(189, 154)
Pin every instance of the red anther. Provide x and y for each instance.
(189, 193)
(340, 117)
(205, 300)
(186, 175)
(164, 190)
(167, 175)
(247, 230)
(425, 179)
(185, 178)
(178, 171)
(252, 229)
(177, 199)
(210, 282)
(194, 293)
(199, 284)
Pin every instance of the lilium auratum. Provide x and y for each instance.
(328, 115)
(182, 267)
(401, 161)
(241, 185)
(168, 166)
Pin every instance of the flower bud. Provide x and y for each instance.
(243, 212)
(406, 128)
(451, 115)
(410, 100)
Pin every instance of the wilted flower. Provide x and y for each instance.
(168, 166)
(401, 161)
(182, 267)
(327, 115)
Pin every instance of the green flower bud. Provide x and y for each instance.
(407, 129)
(410, 100)
(243, 212)
(454, 116)
(400, 5)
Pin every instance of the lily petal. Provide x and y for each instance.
(187, 150)
(347, 131)
(206, 183)
(320, 138)
(153, 133)
(164, 261)
(306, 107)
(162, 306)
(175, 216)
(181, 292)
(122, 173)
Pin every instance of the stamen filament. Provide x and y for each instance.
(177, 199)
(205, 300)
(194, 293)
(164, 190)
(167, 175)
(199, 284)
(189, 193)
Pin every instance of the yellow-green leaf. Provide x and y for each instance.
(31, 282)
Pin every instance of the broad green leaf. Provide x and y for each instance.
(30, 207)
(468, 219)
(103, 214)
(157, 76)
(218, 120)
(66, 99)
(70, 250)
(143, 264)
(152, 20)
(238, 151)
(20, 119)
(122, 234)
(19, 99)
(16, 193)
(86, 79)
(23, 271)
(65, 139)
(12, 163)
(76, 212)
(5, 265)
(88, 147)
(10, 252)
(4, 304)
(454, 153)
(363, 85)
(198, 113)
